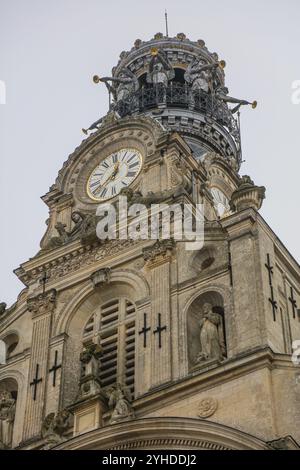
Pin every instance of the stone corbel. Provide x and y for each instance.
(101, 277)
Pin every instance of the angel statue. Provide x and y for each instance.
(199, 75)
(221, 94)
(211, 335)
(122, 86)
(119, 399)
(160, 69)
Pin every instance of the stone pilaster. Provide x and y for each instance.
(42, 307)
(246, 276)
(55, 373)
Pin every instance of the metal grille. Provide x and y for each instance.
(178, 95)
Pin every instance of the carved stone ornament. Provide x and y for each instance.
(89, 380)
(207, 407)
(100, 277)
(161, 248)
(7, 416)
(119, 399)
(54, 428)
(84, 228)
(76, 259)
(90, 351)
(247, 195)
(42, 303)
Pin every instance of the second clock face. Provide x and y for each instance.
(221, 202)
(114, 173)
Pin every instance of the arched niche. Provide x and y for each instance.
(203, 259)
(8, 401)
(8, 346)
(206, 323)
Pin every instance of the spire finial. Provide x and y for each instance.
(166, 20)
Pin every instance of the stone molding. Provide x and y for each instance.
(184, 433)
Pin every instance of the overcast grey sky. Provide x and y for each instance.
(49, 50)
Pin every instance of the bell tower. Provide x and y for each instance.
(138, 342)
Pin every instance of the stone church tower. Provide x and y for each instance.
(136, 343)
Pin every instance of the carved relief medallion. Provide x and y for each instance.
(207, 407)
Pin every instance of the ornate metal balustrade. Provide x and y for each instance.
(179, 96)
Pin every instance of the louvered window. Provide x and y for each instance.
(113, 327)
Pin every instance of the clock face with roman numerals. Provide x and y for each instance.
(114, 173)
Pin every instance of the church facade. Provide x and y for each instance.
(131, 343)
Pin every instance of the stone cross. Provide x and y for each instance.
(269, 268)
(271, 298)
(145, 330)
(43, 280)
(35, 381)
(273, 303)
(293, 302)
(159, 329)
(55, 368)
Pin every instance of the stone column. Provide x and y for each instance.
(42, 307)
(158, 260)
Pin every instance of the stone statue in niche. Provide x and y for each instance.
(119, 399)
(212, 344)
(7, 417)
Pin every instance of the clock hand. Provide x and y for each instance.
(116, 169)
(111, 177)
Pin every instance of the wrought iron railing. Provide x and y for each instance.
(180, 96)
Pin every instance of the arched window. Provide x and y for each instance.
(113, 327)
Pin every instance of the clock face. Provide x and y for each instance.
(221, 202)
(115, 172)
